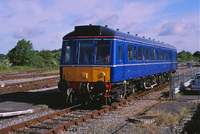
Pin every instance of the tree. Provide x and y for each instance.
(22, 54)
(47, 56)
(196, 56)
(2, 57)
(184, 56)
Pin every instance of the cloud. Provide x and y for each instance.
(8, 16)
(151, 18)
(27, 33)
(109, 19)
(178, 27)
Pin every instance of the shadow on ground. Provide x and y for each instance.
(52, 98)
(193, 126)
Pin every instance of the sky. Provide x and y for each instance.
(45, 22)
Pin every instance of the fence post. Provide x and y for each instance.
(171, 86)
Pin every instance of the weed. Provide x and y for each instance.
(168, 118)
(146, 128)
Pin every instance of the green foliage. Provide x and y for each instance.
(2, 57)
(3, 67)
(20, 68)
(4, 64)
(45, 58)
(38, 61)
(184, 56)
(196, 56)
(22, 54)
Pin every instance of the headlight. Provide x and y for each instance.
(68, 74)
(84, 75)
(102, 74)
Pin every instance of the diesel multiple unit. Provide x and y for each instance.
(96, 60)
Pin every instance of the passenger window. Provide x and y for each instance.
(69, 53)
(86, 52)
(139, 53)
(143, 54)
(157, 58)
(135, 53)
(147, 53)
(120, 52)
(160, 55)
(164, 58)
(130, 52)
(103, 52)
(154, 54)
(151, 54)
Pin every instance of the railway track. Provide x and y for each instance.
(63, 119)
(26, 72)
(30, 85)
(26, 76)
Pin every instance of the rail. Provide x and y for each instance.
(81, 119)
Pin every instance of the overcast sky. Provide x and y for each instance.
(45, 22)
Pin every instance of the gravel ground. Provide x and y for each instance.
(43, 101)
(38, 113)
(117, 121)
(23, 80)
(113, 122)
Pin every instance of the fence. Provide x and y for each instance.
(181, 80)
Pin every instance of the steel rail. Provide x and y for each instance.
(36, 120)
(32, 86)
(92, 115)
(81, 119)
(25, 72)
(27, 76)
(29, 82)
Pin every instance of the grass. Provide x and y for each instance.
(49, 71)
(164, 119)
(26, 68)
(149, 128)
(168, 118)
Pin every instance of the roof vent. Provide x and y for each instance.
(106, 25)
(90, 25)
(117, 29)
(149, 38)
(136, 35)
(143, 36)
(128, 32)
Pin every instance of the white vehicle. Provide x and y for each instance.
(195, 83)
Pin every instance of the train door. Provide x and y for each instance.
(120, 60)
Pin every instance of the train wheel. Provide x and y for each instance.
(99, 90)
(73, 98)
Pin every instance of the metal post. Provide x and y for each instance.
(198, 89)
(171, 86)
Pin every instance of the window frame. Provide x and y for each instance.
(130, 52)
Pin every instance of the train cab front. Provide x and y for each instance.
(85, 69)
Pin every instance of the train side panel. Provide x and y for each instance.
(123, 69)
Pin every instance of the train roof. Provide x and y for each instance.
(101, 31)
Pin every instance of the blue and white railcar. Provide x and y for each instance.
(96, 58)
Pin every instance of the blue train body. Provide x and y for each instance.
(144, 57)
(95, 56)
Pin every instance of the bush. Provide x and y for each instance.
(3, 67)
(20, 68)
